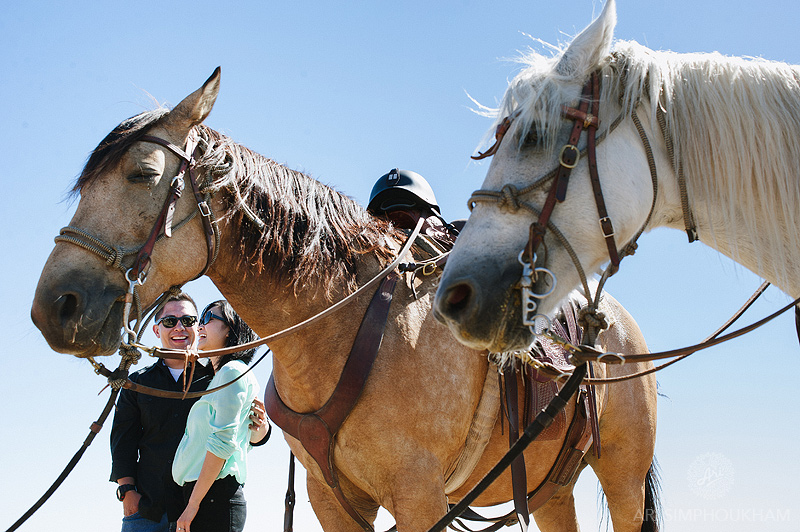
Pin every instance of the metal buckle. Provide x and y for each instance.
(204, 209)
(606, 220)
(561, 156)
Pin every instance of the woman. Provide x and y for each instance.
(211, 460)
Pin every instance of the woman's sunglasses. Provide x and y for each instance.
(208, 316)
(171, 321)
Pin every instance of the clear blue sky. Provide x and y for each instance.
(345, 92)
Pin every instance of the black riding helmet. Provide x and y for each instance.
(401, 189)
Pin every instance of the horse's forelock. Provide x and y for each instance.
(108, 153)
(536, 94)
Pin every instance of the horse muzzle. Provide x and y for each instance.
(79, 315)
(482, 307)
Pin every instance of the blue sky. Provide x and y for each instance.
(345, 92)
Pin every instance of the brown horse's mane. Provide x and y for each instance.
(290, 226)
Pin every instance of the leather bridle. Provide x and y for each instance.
(163, 227)
(584, 118)
(188, 162)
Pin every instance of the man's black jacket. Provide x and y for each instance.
(146, 433)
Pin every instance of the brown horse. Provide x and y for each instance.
(427, 426)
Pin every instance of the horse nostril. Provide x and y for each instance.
(67, 306)
(458, 298)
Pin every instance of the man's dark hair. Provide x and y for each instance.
(180, 296)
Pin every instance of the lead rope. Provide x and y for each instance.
(93, 431)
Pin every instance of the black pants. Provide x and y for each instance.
(223, 509)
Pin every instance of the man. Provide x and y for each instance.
(404, 197)
(147, 430)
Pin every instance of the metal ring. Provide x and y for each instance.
(524, 263)
(142, 277)
(552, 288)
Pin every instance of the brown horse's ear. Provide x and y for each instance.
(195, 107)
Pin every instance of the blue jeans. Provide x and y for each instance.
(137, 523)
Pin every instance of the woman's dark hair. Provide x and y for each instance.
(240, 332)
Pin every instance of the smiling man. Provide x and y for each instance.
(147, 430)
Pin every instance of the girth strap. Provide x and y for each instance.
(316, 430)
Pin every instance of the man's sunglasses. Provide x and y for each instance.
(171, 321)
(208, 316)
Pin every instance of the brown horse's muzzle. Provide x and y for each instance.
(78, 313)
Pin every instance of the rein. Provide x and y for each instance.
(121, 377)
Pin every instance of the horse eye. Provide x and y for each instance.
(532, 138)
(144, 176)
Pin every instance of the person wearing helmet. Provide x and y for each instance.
(404, 197)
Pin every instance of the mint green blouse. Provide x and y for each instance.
(219, 423)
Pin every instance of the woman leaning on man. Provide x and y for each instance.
(210, 465)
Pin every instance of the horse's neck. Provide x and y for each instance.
(307, 362)
(717, 229)
(732, 138)
(727, 228)
(756, 254)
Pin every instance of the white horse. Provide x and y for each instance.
(731, 125)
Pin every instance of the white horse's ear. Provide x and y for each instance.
(587, 51)
(195, 107)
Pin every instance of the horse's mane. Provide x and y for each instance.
(732, 121)
(290, 226)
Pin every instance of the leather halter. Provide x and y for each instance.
(188, 162)
(584, 117)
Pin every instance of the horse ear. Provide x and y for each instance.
(586, 52)
(195, 107)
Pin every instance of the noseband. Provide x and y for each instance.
(585, 117)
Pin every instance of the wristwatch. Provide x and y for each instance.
(123, 489)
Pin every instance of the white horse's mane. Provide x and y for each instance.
(732, 121)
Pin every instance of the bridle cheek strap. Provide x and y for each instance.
(591, 138)
(568, 159)
(164, 221)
